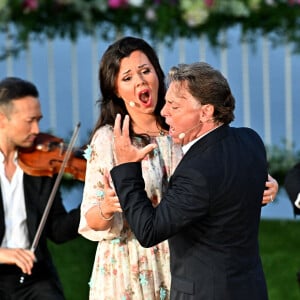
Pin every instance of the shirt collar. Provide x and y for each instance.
(186, 148)
(2, 157)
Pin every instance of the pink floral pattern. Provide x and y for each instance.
(123, 269)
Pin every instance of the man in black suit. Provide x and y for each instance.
(23, 199)
(211, 210)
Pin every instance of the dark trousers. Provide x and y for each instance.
(41, 285)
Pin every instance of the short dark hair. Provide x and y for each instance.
(13, 88)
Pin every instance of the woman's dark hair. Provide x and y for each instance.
(110, 103)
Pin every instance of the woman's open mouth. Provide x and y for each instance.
(145, 97)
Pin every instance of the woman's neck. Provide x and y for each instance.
(147, 124)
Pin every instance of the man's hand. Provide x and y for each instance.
(22, 258)
(124, 150)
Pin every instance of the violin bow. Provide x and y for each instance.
(53, 193)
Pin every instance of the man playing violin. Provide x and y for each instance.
(23, 199)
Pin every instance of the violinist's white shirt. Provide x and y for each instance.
(16, 231)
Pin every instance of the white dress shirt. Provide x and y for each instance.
(16, 231)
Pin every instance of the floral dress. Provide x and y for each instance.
(123, 269)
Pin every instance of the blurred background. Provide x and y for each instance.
(57, 44)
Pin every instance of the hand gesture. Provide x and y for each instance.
(100, 216)
(124, 150)
(110, 201)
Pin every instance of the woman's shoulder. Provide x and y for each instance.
(104, 132)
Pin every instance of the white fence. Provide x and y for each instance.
(263, 79)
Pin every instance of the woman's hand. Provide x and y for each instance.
(110, 201)
(100, 216)
(270, 191)
(124, 150)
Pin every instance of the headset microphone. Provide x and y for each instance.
(181, 135)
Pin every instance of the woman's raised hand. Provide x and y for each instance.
(125, 151)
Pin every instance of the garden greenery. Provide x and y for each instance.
(281, 160)
(158, 19)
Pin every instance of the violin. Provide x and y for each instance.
(46, 155)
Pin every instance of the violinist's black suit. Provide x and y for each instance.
(61, 226)
(210, 213)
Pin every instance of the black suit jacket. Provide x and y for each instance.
(292, 186)
(210, 213)
(61, 226)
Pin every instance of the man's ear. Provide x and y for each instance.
(207, 113)
(3, 119)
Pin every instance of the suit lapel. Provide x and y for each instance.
(206, 141)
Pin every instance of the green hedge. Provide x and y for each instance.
(74, 261)
(281, 160)
(279, 242)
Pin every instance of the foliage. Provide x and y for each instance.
(281, 160)
(279, 246)
(68, 182)
(74, 261)
(159, 19)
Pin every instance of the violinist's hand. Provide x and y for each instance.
(22, 258)
(271, 190)
(124, 150)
